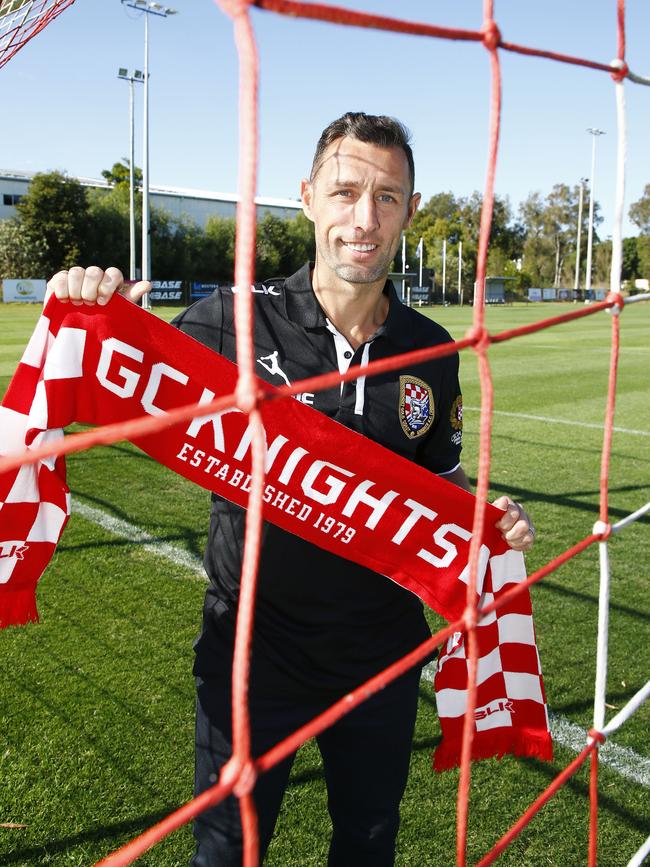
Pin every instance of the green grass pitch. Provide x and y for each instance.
(96, 716)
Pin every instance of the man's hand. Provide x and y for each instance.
(515, 525)
(93, 286)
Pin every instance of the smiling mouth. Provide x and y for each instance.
(360, 248)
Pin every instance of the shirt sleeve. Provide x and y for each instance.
(204, 321)
(440, 452)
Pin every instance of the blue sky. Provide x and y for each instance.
(64, 108)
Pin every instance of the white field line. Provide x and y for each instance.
(551, 420)
(149, 543)
(621, 759)
(639, 857)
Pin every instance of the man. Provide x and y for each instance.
(323, 624)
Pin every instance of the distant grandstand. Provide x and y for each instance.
(198, 205)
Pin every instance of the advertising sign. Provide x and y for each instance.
(548, 294)
(30, 291)
(421, 294)
(167, 292)
(534, 294)
(202, 290)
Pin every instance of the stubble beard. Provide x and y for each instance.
(355, 273)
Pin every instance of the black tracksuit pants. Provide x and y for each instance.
(365, 761)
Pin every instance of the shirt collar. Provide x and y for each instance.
(303, 308)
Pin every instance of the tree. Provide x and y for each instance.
(283, 245)
(630, 264)
(550, 228)
(446, 218)
(303, 244)
(538, 247)
(643, 250)
(640, 211)
(272, 247)
(20, 254)
(219, 254)
(119, 175)
(107, 238)
(438, 220)
(602, 263)
(109, 211)
(55, 210)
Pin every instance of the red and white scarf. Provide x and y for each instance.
(100, 365)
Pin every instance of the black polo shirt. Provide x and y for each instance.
(324, 624)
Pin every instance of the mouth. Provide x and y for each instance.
(359, 247)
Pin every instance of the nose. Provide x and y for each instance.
(365, 213)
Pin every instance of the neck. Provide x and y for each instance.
(356, 310)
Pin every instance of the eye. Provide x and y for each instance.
(344, 194)
(386, 197)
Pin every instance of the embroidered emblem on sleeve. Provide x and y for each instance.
(416, 409)
(456, 416)
(456, 420)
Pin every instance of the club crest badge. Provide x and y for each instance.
(416, 409)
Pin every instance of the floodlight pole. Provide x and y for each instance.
(594, 133)
(149, 8)
(146, 233)
(131, 181)
(131, 78)
(580, 203)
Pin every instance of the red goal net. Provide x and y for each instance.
(239, 775)
(20, 20)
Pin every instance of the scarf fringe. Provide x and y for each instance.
(17, 607)
(494, 745)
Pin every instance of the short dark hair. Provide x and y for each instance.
(379, 130)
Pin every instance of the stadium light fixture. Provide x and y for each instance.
(594, 133)
(149, 7)
(125, 75)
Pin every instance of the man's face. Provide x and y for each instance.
(360, 203)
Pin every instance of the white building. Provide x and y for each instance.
(198, 205)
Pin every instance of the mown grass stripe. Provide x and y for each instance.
(625, 761)
(551, 420)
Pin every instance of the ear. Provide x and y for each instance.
(414, 204)
(306, 196)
